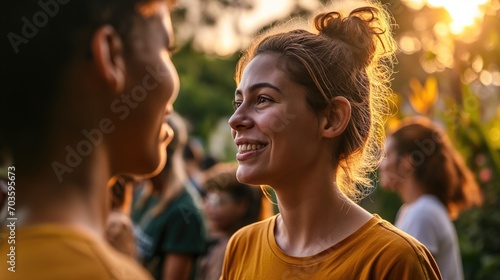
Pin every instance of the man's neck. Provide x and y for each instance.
(80, 200)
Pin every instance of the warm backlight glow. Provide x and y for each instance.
(463, 14)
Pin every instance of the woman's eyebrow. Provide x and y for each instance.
(257, 86)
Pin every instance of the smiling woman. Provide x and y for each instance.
(309, 107)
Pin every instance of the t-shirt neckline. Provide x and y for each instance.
(316, 258)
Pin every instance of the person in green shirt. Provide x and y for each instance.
(168, 223)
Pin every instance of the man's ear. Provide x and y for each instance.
(107, 53)
(336, 117)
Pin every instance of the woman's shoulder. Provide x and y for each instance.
(429, 203)
(428, 208)
(383, 232)
(396, 248)
(388, 248)
(185, 203)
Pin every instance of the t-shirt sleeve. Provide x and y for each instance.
(185, 232)
(233, 257)
(228, 257)
(406, 266)
(403, 257)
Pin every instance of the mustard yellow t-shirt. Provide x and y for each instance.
(377, 250)
(59, 252)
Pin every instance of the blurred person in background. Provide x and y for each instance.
(229, 205)
(168, 221)
(194, 155)
(119, 228)
(423, 167)
(71, 72)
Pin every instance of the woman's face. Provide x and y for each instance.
(277, 134)
(392, 170)
(151, 87)
(224, 213)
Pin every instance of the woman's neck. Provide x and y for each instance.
(314, 218)
(410, 190)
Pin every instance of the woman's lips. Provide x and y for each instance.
(247, 151)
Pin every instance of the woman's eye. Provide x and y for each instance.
(236, 104)
(262, 99)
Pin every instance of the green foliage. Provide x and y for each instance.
(207, 89)
(478, 228)
(478, 234)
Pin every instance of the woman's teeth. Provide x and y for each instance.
(249, 147)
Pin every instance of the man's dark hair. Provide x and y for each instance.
(40, 38)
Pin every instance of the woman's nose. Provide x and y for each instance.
(240, 119)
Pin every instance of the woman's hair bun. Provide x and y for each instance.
(362, 30)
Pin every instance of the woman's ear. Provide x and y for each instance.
(336, 117)
(107, 54)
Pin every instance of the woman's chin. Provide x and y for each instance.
(246, 178)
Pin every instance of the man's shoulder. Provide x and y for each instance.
(53, 252)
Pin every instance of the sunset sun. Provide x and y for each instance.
(463, 15)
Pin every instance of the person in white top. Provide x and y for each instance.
(426, 171)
